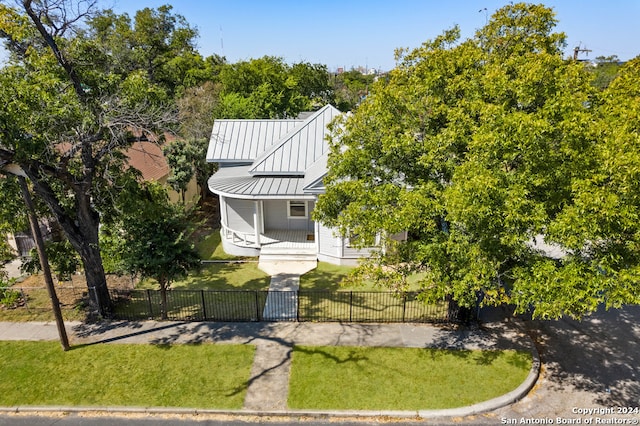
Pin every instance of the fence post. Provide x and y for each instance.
(255, 292)
(24, 298)
(351, 306)
(298, 305)
(404, 305)
(149, 303)
(204, 306)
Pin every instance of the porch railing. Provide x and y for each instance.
(246, 239)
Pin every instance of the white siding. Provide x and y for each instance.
(240, 214)
(276, 217)
(352, 253)
(328, 243)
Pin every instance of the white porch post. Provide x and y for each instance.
(256, 221)
(224, 220)
(223, 210)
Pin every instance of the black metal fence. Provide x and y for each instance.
(264, 305)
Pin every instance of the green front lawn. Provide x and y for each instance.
(329, 277)
(365, 378)
(194, 376)
(219, 276)
(209, 247)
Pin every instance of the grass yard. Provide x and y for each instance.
(328, 277)
(219, 276)
(209, 247)
(359, 378)
(193, 376)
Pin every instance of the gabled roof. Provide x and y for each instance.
(313, 183)
(271, 158)
(238, 141)
(299, 149)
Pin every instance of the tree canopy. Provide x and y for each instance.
(480, 148)
(267, 87)
(150, 239)
(79, 87)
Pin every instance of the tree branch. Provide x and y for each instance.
(49, 39)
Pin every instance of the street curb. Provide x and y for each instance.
(482, 407)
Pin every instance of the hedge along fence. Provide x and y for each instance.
(264, 305)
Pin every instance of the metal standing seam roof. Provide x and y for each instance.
(285, 163)
(299, 149)
(245, 140)
(237, 182)
(314, 175)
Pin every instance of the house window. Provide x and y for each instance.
(297, 209)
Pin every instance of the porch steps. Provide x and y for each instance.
(280, 254)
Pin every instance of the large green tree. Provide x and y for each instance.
(477, 149)
(151, 239)
(268, 87)
(605, 70)
(74, 93)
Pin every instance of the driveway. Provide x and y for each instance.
(586, 365)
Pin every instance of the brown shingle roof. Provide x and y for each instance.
(147, 157)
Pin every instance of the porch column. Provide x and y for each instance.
(223, 210)
(256, 221)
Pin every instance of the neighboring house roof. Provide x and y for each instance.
(243, 140)
(148, 158)
(256, 163)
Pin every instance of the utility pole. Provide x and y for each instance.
(577, 50)
(44, 262)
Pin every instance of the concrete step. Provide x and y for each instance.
(287, 267)
(287, 257)
(287, 250)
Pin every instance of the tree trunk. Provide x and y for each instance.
(163, 300)
(96, 279)
(81, 228)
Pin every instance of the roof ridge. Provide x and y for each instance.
(287, 137)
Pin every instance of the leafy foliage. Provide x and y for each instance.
(269, 88)
(478, 148)
(151, 239)
(605, 71)
(80, 84)
(350, 88)
(63, 259)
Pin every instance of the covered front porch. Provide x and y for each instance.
(285, 243)
(275, 227)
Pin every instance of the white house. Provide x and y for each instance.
(269, 178)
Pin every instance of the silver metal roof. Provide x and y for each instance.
(238, 183)
(244, 140)
(314, 174)
(299, 149)
(271, 158)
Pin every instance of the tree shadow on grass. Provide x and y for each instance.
(226, 276)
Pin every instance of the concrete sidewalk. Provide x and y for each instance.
(268, 384)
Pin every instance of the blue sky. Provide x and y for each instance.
(349, 33)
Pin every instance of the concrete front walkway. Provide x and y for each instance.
(282, 301)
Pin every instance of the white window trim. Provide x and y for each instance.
(306, 209)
